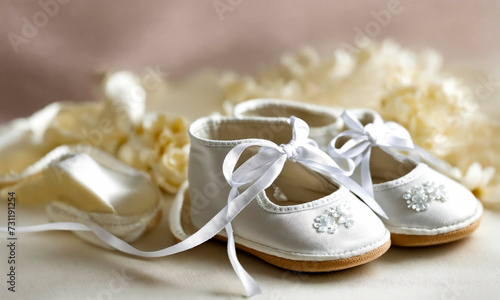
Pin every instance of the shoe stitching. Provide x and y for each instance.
(474, 215)
(273, 208)
(415, 174)
(287, 104)
(232, 143)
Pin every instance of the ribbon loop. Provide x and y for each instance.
(387, 136)
(361, 139)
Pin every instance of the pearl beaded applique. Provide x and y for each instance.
(332, 218)
(419, 198)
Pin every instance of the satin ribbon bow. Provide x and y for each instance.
(247, 181)
(388, 136)
(361, 140)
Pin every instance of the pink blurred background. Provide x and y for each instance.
(60, 61)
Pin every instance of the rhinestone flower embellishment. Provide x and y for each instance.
(435, 192)
(332, 218)
(419, 198)
(325, 223)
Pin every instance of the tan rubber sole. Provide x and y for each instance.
(405, 240)
(313, 266)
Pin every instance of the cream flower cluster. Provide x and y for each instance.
(410, 88)
(159, 146)
(434, 112)
(346, 79)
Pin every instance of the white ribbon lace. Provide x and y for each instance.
(247, 181)
(388, 136)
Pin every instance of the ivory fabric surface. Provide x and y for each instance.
(60, 62)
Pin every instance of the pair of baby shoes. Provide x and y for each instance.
(282, 178)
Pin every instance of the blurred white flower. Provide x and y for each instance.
(159, 146)
(433, 111)
(477, 178)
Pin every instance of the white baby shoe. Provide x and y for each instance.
(286, 211)
(424, 207)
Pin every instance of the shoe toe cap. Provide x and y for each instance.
(429, 204)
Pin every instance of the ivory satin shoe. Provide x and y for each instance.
(288, 214)
(85, 184)
(424, 207)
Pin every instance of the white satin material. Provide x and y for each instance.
(249, 179)
(388, 136)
